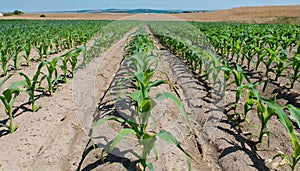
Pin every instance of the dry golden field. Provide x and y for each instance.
(264, 14)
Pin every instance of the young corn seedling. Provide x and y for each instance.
(281, 64)
(4, 60)
(239, 76)
(8, 98)
(30, 85)
(264, 114)
(250, 55)
(65, 58)
(14, 55)
(74, 58)
(227, 70)
(252, 97)
(209, 57)
(52, 69)
(288, 125)
(69, 57)
(27, 49)
(40, 50)
(271, 58)
(261, 53)
(237, 50)
(145, 66)
(215, 67)
(46, 46)
(296, 69)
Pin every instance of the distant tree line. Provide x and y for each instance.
(197, 11)
(15, 12)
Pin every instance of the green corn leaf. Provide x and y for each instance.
(295, 112)
(147, 143)
(188, 163)
(4, 101)
(150, 166)
(168, 137)
(9, 92)
(165, 95)
(283, 118)
(147, 105)
(57, 79)
(19, 84)
(139, 76)
(156, 84)
(135, 96)
(283, 156)
(155, 152)
(122, 134)
(5, 79)
(27, 79)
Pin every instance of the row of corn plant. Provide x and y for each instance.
(265, 108)
(21, 38)
(275, 46)
(31, 85)
(106, 37)
(67, 62)
(145, 64)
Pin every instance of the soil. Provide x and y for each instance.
(263, 14)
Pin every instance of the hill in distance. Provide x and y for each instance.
(131, 11)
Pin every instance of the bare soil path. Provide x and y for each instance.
(168, 118)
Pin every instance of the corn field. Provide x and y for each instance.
(257, 65)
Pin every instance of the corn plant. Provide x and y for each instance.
(52, 69)
(65, 58)
(4, 60)
(74, 58)
(27, 49)
(272, 56)
(14, 55)
(212, 66)
(30, 85)
(8, 98)
(288, 125)
(264, 113)
(296, 69)
(249, 54)
(238, 79)
(237, 50)
(7, 111)
(40, 49)
(261, 53)
(281, 64)
(252, 97)
(145, 65)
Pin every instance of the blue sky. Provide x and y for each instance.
(57, 5)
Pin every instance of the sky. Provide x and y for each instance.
(65, 5)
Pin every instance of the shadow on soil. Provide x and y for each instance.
(108, 159)
(107, 108)
(96, 161)
(258, 162)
